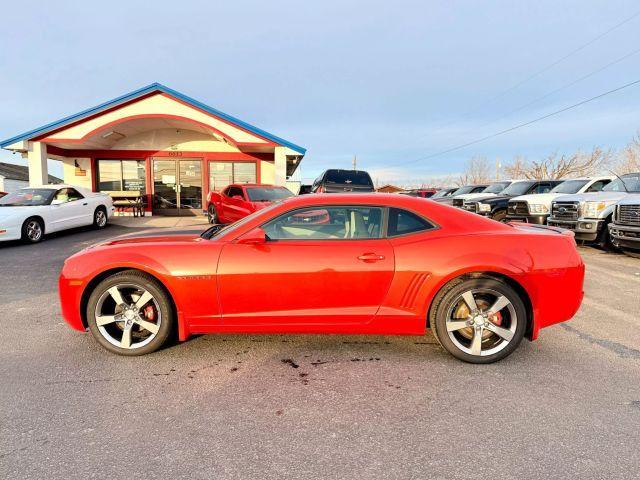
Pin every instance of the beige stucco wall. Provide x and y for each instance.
(156, 105)
(267, 172)
(69, 172)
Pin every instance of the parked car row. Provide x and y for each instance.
(604, 210)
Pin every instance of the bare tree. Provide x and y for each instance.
(629, 157)
(477, 170)
(554, 166)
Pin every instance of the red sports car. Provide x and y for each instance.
(382, 264)
(240, 199)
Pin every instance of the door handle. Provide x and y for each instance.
(85, 204)
(370, 257)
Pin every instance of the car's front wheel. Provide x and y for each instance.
(479, 320)
(32, 230)
(129, 313)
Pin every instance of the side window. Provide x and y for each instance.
(326, 223)
(403, 222)
(225, 192)
(235, 191)
(542, 188)
(73, 194)
(597, 186)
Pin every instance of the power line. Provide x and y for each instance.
(516, 127)
(542, 70)
(563, 87)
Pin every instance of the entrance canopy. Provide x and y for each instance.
(124, 145)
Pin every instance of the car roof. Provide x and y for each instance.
(261, 185)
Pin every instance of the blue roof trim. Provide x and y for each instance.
(154, 87)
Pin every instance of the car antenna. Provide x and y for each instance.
(624, 185)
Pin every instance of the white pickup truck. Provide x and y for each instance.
(625, 226)
(589, 214)
(535, 208)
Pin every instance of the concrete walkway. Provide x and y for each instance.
(159, 221)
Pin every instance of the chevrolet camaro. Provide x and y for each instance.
(375, 264)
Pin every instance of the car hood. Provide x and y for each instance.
(485, 198)
(153, 240)
(592, 197)
(631, 199)
(473, 196)
(6, 212)
(537, 198)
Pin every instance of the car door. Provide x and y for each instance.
(81, 208)
(61, 212)
(321, 266)
(231, 203)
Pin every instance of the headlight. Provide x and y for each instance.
(593, 209)
(484, 207)
(538, 208)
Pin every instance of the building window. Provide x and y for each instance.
(222, 174)
(122, 175)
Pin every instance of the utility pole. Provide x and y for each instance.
(355, 163)
(498, 168)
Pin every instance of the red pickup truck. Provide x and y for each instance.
(240, 199)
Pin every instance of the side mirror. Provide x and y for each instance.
(257, 236)
(237, 197)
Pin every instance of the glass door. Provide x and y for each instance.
(190, 187)
(177, 186)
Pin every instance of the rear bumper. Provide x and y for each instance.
(535, 219)
(624, 236)
(584, 229)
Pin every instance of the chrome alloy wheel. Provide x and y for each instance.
(34, 230)
(101, 218)
(128, 316)
(481, 322)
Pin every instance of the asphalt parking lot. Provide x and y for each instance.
(294, 406)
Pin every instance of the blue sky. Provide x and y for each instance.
(389, 81)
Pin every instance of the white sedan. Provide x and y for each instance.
(30, 213)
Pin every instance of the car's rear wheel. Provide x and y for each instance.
(480, 320)
(212, 214)
(32, 230)
(100, 218)
(129, 313)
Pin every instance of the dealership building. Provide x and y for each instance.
(168, 147)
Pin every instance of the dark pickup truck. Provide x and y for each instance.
(495, 207)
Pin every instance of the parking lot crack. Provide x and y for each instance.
(619, 349)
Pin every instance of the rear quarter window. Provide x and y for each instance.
(404, 222)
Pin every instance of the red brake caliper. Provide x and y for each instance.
(496, 319)
(149, 313)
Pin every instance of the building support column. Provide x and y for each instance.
(37, 163)
(280, 161)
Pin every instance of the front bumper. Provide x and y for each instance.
(534, 219)
(624, 236)
(10, 233)
(584, 229)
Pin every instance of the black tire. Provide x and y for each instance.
(100, 218)
(212, 214)
(151, 285)
(604, 240)
(447, 298)
(500, 216)
(32, 230)
(632, 253)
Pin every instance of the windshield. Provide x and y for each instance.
(517, 188)
(28, 197)
(496, 187)
(463, 190)
(570, 186)
(441, 193)
(220, 230)
(631, 182)
(349, 177)
(267, 194)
